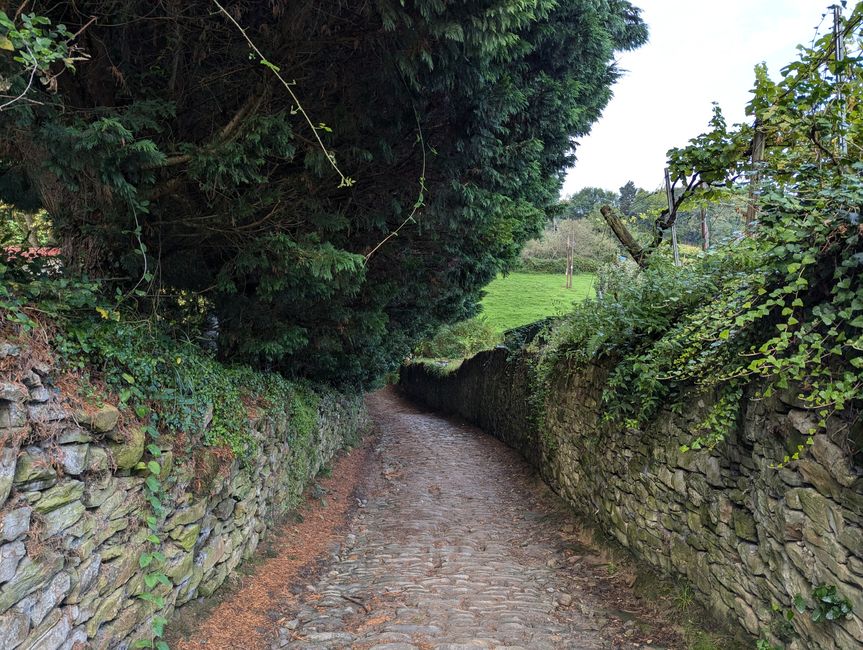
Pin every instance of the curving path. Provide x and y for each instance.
(456, 544)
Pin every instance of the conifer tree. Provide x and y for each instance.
(174, 160)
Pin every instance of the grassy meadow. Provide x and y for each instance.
(522, 298)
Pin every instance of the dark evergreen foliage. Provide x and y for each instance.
(173, 156)
(627, 199)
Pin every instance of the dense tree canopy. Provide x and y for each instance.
(585, 202)
(171, 160)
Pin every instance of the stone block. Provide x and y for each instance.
(96, 493)
(61, 518)
(12, 415)
(8, 460)
(212, 554)
(106, 610)
(77, 639)
(852, 539)
(73, 458)
(74, 434)
(52, 633)
(186, 536)
(113, 634)
(12, 391)
(180, 568)
(744, 525)
(97, 460)
(817, 475)
(816, 506)
(750, 555)
(50, 412)
(711, 470)
(190, 515)
(15, 523)
(40, 394)
(835, 459)
(84, 578)
(10, 556)
(225, 508)
(127, 453)
(29, 577)
(51, 596)
(103, 420)
(59, 495)
(14, 627)
(33, 464)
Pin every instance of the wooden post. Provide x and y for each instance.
(839, 49)
(569, 261)
(757, 157)
(705, 230)
(669, 195)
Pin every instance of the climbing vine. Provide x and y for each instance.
(783, 306)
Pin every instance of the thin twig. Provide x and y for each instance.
(420, 199)
(81, 31)
(358, 602)
(29, 83)
(346, 181)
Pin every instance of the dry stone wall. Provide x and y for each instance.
(748, 535)
(72, 508)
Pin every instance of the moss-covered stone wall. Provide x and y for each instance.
(750, 536)
(72, 506)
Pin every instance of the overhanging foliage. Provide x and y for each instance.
(173, 162)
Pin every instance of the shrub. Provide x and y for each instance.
(556, 265)
(459, 340)
(171, 384)
(591, 241)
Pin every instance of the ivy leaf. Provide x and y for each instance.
(158, 624)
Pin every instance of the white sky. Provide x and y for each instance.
(699, 51)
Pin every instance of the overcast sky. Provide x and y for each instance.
(699, 52)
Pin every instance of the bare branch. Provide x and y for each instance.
(420, 198)
(635, 250)
(249, 107)
(345, 180)
(29, 82)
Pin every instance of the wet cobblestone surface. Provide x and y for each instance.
(456, 545)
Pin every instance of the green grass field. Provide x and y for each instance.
(522, 298)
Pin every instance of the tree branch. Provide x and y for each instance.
(29, 82)
(249, 107)
(668, 216)
(635, 250)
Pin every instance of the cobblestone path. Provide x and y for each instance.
(453, 546)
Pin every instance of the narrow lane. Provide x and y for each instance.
(456, 545)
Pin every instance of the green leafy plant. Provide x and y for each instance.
(460, 340)
(763, 644)
(250, 172)
(829, 605)
(35, 45)
(783, 308)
